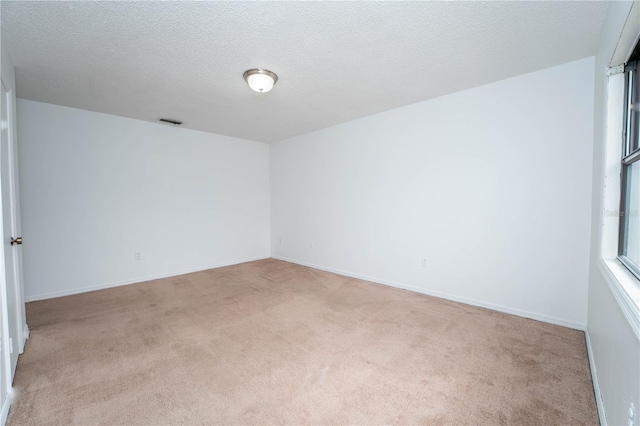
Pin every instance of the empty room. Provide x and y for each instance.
(320, 213)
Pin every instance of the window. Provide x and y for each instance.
(629, 235)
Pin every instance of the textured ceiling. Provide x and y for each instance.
(336, 61)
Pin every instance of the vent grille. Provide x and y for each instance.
(170, 121)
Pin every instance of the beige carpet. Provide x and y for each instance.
(270, 342)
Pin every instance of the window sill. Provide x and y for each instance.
(625, 288)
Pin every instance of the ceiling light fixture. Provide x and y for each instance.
(260, 80)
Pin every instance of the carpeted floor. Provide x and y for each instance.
(269, 342)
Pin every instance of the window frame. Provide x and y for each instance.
(630, 153)
(623, 284)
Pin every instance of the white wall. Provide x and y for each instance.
(98, 188)
(492, 185)
(614, 346)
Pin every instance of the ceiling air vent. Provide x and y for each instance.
(170, 121)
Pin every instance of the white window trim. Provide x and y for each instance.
(624, 286)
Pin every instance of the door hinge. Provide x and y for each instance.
(11, 344)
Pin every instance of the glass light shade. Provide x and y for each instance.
(260, 80)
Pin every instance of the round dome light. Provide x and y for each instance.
(260, 80)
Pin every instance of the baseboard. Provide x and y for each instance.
(513, 311)
(594, 379)
(6, 404)
(54, 294)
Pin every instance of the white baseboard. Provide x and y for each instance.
(514, 311)
(68, 292)
(6, 404)
(594, 379)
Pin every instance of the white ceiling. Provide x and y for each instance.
(336, 61)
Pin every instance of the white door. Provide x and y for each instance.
(4, 363)
(10, 271)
